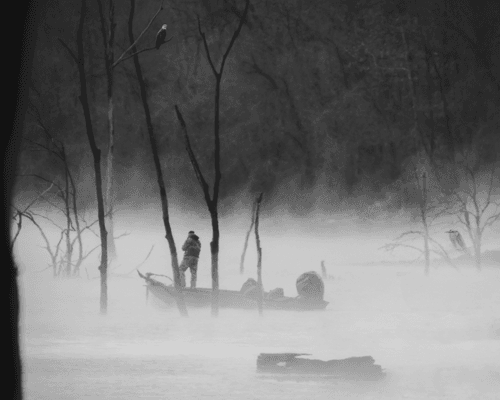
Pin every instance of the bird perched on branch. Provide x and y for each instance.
(456, 240)
(161, 35)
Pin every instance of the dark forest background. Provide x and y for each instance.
(340, 95)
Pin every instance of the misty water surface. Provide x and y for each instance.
(434, 336)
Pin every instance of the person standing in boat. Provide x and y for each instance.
(191, 248)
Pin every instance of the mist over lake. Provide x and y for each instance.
(436, 337)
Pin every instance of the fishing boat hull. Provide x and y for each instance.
(202, 297)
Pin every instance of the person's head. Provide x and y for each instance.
(190, 233)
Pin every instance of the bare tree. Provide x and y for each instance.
(156, 158)
(67, 191)
(18, 215)
(79, 59)
(242, 261)
(259, 255)
(108, 38)
(431, 206)
(406, 241)
(212, 199)
(108, 30)
(423, 203)
(472, 199)
(61, 261)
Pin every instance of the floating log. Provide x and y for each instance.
(289, 363)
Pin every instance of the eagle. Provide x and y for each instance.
(457, 240)
(161, 35)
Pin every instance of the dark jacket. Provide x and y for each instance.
(192, 246)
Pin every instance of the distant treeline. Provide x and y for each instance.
(339, 93)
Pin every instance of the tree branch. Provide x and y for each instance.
(103, 29)
(73, 56)
(235, 35)
(256, 69)
(206, 48)
(44, 148)
(19, 226)
(192, 157)
(138, 266)
(38, 196)
(491, 220)
(139, 52)
(90, 252)
(490, 190)
(121, 235)
(409, 233)
(44, 236)
(121, 58)
(392, 246)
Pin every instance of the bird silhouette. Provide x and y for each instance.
(456, 240)
(161, 35)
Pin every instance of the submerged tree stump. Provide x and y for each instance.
(363, 368)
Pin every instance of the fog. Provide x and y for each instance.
(437, 337)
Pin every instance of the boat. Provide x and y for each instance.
(291, 366)
(167, 294)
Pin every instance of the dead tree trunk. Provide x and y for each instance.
(413, 94)
(477, 211)
(212, 207)
(66, 198)
(18, 217)
(109, 179)
(213, 200)
(76, 270)
(443, 85)
(159, 174)
(423, 214)
(242, 261)
(259, 255)
(108, 42)
(79, 59)
(68, 195)
(477, 252)
(11, 293)
(108, 36)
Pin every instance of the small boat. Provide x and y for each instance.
(202, 297)
(292, 366)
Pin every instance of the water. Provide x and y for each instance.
(434, 337)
